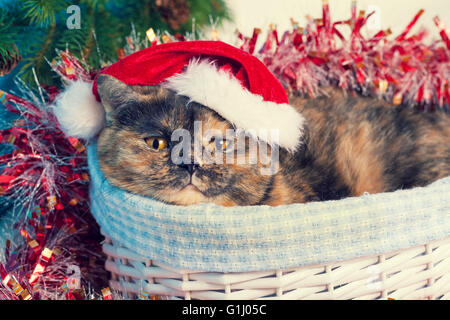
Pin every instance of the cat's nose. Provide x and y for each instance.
(191, 167)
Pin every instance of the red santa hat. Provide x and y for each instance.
(221, 77)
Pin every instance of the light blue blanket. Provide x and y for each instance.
(238, 239)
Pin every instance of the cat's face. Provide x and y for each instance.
(136, 151)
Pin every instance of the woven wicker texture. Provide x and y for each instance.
(419, 272)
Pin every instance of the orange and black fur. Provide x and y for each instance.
(351, 145)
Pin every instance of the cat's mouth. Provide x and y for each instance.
(191, 187)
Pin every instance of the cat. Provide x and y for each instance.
(351, 146)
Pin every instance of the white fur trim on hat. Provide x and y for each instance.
(79, 114)
(202, 82)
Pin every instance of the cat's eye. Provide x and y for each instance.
(222, 144)
(156, 143)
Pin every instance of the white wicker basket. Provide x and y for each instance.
(419, 272)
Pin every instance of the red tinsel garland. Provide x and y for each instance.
(46, 178)
(401, 70)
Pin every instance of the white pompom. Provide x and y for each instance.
(79, 113)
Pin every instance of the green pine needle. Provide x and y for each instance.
(9, 34)
(43, 12)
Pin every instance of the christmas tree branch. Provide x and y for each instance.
(37, 27)
(43, 12)
(90, 41)
(8, 35)
(40, 58)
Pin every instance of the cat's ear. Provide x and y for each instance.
(114, 93)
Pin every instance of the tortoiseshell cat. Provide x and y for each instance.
(351, 145)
